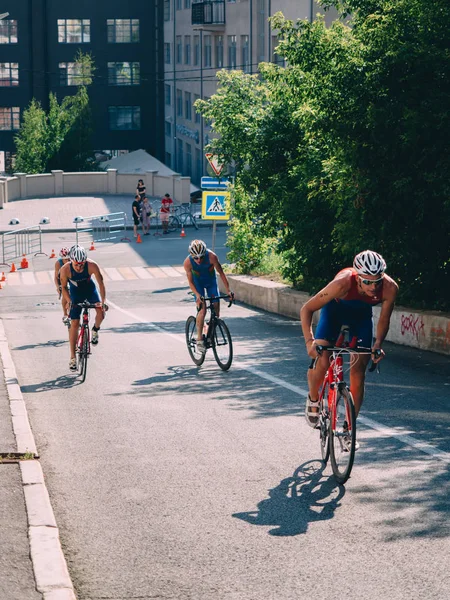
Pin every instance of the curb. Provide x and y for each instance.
(49, 564)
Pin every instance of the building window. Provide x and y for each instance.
(123, 31)
(74, 31)
(245, 58)
(168, 128)
(167, 95)
(167, 53)
(276, 58)
(9, 118)
(208, 51)
(188, 168)
(9, 74)
(179, 103)
(187, 49)
(166, 10)
(168, 159)
(179, 50)
(187, 3)
(197, 115)
(196, 49)
(124, 73)
(198, 165)
(231, 51)
(179, 4)
(219, 51)
(8, 31)
(180, 155)
(188, 105)
(70, 73)
(124, 118)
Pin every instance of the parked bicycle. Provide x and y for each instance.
(337, 417)
(84, 337)
(216, 336)
(181, 217)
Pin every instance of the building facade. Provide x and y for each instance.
(38, 43)
(200, 38)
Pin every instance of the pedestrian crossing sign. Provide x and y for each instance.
(216, 205)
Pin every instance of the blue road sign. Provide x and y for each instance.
(212, 183)
(215, 205)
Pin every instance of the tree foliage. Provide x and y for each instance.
(349, 144)
(61, 137)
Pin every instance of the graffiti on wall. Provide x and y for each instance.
(413, 324)
(441, 335)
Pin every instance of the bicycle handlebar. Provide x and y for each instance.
(87, 304)
(214, 298)
(358, 350)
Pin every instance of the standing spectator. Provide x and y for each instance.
(140, 190)
(136, 211)
(146, 213)
(166, 209)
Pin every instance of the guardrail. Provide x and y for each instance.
(100, 228)
(21, 241)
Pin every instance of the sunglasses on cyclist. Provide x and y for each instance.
(375, 282)
(79, 263)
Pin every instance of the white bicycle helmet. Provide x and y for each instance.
(78, 254)
(369, 262)
(197, 249)
(64, 252)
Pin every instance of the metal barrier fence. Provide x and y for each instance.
(100, 228)
(21, 241)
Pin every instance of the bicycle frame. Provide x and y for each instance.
(84, 327)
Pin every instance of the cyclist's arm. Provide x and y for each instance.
(188, 268)
(335, 289)
(94, 269)
(56, 278)
(64, 277)
(390, 290)
(215, 262)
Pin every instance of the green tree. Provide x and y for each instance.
(60, 138)
(349, 144)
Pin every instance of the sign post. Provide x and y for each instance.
(215, 206)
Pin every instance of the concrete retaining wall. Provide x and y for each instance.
(427, 330)
(58, 183)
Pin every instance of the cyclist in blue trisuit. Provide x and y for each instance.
(348, 300)
(78, 274)
(201, 266)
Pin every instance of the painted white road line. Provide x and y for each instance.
(404, 438)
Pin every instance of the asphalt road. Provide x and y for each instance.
(169, 481)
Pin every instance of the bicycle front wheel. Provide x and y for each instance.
(173, 223)
(82, 357)
(343, 435)
(222, 345)
(324, 422)
(191, 342)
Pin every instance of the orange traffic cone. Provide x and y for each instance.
(13, 268)
(92, 246)
(3, 278)
(52, 255)
(138, 239)
(24, 263)
(182, 234)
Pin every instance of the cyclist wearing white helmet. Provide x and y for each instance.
(77, 275)
(348, 300)
(61, 261)
(201, 266)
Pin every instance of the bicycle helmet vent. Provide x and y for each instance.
(78, 254)
(369, 263)
(197, 249)
(64, 252)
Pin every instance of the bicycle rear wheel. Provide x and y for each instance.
(324, 423)
(82, 355)
(191, 342)
(343, 435)
(222, 345)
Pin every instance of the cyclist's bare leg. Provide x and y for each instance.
(200, 321)
(73, 336)
(217, 307)
(99, 316)
(315, 376)
(357, 378)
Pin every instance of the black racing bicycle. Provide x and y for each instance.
(216, 336)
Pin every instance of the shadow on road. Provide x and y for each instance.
(61, 383)
(298, 500)
(49, 344)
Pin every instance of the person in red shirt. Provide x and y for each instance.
(166, 209)
(348, 300)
